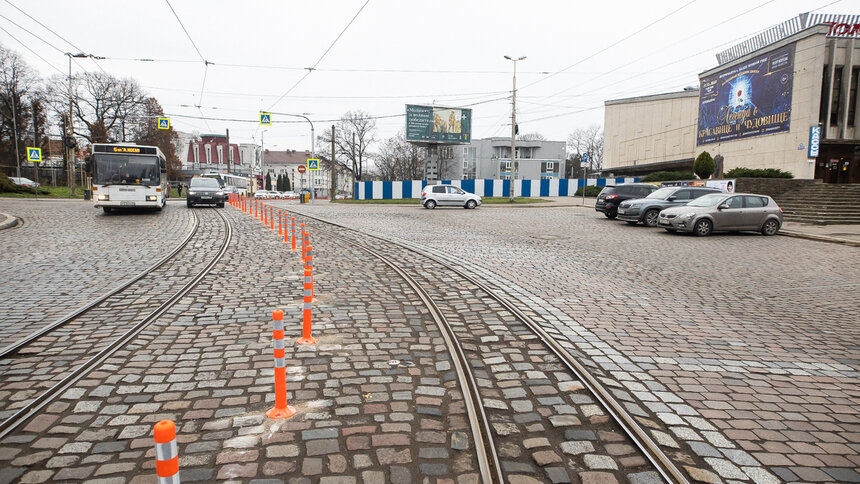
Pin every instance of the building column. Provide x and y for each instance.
(831, 73)
(846, 87)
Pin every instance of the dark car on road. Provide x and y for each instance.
(646, 210)
(205, 190)
(721, 212)
(611, 197)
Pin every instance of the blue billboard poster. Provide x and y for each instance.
(750, 99)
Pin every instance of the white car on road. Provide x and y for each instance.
(448, 195)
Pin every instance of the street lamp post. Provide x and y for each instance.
(263, 158)
(514, 126)
(313, 153)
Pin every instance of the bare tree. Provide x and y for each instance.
(398, 159)
(144, 130)
(20, 101)
(587, 140)
(531, 137)
(104, 106)
(354, 134)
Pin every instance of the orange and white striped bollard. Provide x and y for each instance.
(166, 452)
(307, 305)
(281, 410)
(293, 249)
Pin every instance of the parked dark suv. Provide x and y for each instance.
(611, 197)
(646, 210)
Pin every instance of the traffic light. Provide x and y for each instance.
(69, 141)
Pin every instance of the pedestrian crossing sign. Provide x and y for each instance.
(34, 154)
(163, 123)
(266, 119)
(313, 164)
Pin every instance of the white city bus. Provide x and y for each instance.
(126, 175)
(231, 183)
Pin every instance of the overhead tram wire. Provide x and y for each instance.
(93, 58)
(61, 51)
(205, 62)
(611, 45)
(32, 51)
(311, 69)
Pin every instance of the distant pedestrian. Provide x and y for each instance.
(180, 190)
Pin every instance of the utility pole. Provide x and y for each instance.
(71, 134)
(262, 158)
(229, 152)
(514, 126)
(333, 190)
(15, 129)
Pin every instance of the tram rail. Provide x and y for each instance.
(649, 448)
(32, 407)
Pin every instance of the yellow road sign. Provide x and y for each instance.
(34, 154)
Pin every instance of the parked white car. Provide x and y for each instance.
(24, 182)
(448, 195)
(263, 194)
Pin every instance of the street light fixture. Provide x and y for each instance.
(514, 164)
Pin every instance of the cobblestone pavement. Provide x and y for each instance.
(27, 373)
(66, 253)
(743, 322)
(751, 341)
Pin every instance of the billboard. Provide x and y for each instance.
(432, 124)
(750, 99)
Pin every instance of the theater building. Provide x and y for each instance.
(785, 98)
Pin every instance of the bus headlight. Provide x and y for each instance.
(151, 198)
(103, 197)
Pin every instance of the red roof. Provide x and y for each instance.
(200, 146)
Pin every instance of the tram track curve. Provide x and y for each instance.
(650, 449)
(31, 408)
(35, 335)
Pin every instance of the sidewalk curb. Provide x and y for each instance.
(9, 221)
(819, 238)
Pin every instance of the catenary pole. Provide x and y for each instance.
(514, 126)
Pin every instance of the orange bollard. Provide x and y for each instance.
(294, 235)
(272, 218)
(309, 263)
(281, 410)
(280, 222)
(304, 245)
(166, 452)
(306, 338)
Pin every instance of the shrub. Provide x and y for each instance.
(6, 185)
(741, 172)
(704, 166)
(589, 191)
(667, 176)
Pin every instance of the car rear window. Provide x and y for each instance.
(608, 191)
(755, 202)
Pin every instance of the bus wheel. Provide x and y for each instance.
(107, 209)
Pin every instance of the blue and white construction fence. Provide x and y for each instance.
(388, 190)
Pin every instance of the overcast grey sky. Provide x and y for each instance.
(394, 52)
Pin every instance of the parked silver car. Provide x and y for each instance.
(719, 212)
(448, 195)
(647, 209)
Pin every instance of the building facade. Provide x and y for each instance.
(759, 108)
(211, 153)
(490, 158)
(287, 163)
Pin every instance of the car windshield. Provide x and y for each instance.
(116, 169)
(205, 183)
(707, 200)
(662, 193)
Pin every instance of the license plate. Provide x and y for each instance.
(127, 203)
(622, 211)
(205, 197)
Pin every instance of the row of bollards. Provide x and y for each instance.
(166, 450)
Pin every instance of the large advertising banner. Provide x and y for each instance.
(430, 124)
(749, 99)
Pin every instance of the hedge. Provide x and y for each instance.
(590, 191)
(667, 176)
(741, 172)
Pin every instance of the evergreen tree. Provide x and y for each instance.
(268, 185)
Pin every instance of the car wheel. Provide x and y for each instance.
(651, 217)
(188, 204)
(671, 231)
(220, 205)
(703, 227)
(108, 209)
(431, 204)
(610, 214)
(771, 227)
(471, 204)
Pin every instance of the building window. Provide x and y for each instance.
(550, 166)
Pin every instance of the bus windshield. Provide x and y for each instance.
(116, 169)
